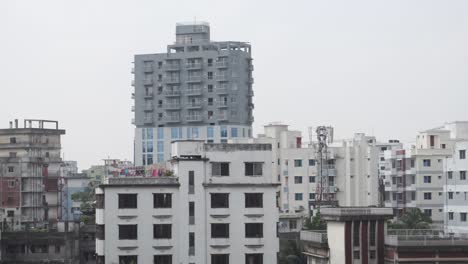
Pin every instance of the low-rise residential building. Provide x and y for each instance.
(217, 207)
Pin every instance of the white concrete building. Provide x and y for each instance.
(456, 189)
(415, 177)
(218, 208)
(352, 170)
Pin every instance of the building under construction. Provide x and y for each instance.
(30, 169)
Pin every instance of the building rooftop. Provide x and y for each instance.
(352, 213)
(141, 181)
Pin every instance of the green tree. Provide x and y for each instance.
(87, 198)
(414, 218)
(316, 223)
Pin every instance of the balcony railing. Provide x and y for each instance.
(148, 69)
(172, 67)
(222, 117)
(148, 120)
(222, 104)
(172, 106)
(193, 66)
(149, 95)
(148, 82)
(194, 79)
(172, 93)
(172, 80)
(222, 77)
(221, 90)
(193, 105)
(172, 119)
(149, 108)
(194, 118)
(193, 92)
(221, 64)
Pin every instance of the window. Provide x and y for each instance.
(372, 233)
(127, 200)
(297, 163)
(12, 140)
(195, 133)
(462, 175)
(297, 179)
(253, 169)
(224, 131)
(428, 212)
(162, 259)
(450, 215)
(219, 200)
(427, 196)
(10, 213)
(128, 232)
(462, 154)
(253, 258)
(191, 176)
(57, 249)
(160, 132)
(162, 200)
(312, 179)
(427, 163)
(254, 200)
(219, 258)
(298, 196)
(210, 101)
(372, 254)
(356, 254)
(128, 259)
(463, 217)
(292, 224)
(253, 230)
(219, 230)
(210, 132)
(11, 169)
(412, 163)
(210, 75)
(311, 196)
(356, 232)
(311, 162)
(450, 195)
(191, 213)
(234, 132)
(162, 231)
(12, 154)
(450, 174)
(210, 88)
(220, 169)
(191, 244)
(427, 179)
(176, 133)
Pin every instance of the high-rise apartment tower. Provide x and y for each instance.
(197, 89)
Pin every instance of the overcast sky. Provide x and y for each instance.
(386, 68)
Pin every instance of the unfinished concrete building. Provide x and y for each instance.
(30, 169)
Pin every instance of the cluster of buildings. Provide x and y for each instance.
(212, 193)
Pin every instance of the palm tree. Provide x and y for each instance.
(414, 218)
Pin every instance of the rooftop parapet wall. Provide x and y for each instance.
(355, 213)
(135, 181)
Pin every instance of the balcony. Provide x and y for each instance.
(172, 93)
(133, 108)
(222, 78)
(250, 80)
(250, 93)
(172, 80)
(148, 120)
(319, 237)
(148, 69)
(149, 96)
(222, 117)
(133, 95)
(251, 67)
(251, 105)
(221, 90)
(221, 64)
(148, 82)
(194, 66)
(149, 108)
(194, 105)
(172, 106)
(222, 104)
(194, 118)
(172, 67)
(172, 119)
(192, 79)
(193, 92)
